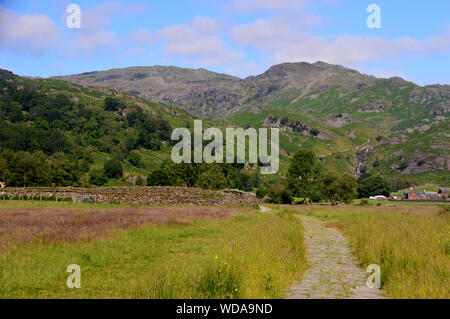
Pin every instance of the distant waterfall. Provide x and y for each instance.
(360, 157)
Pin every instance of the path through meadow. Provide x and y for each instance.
(333, 272)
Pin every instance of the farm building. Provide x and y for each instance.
(422, 195)
(444, 193)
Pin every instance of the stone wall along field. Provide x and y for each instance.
(151, 195)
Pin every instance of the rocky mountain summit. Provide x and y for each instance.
(205, 93)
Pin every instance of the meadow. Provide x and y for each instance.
(410, 243)
(127, 251)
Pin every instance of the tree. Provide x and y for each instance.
(212, 178)
(135, 159)
(278, 193)
(372, 186)
(316, 194)
(314, 132)
(112, 104)
(303, 170)
(335, 187)
(65, 170)
(159, 177)
(396, 183)
(403, 165)
(376, 163)
(5, 174)
(113, 169)
(96, 177)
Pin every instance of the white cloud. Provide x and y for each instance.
(196, 42)
(94, 35)
(35, 33)
(383, 72)
(141, 37)
(352, 50)
(135, 52)
(285, 43)
(207, 25)
(31, 33)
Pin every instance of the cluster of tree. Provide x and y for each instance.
(56, 127)
(208, 176)
(296, 126)
(19, 169)
(306, 179)
(369, 185)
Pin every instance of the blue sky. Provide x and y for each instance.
(236, 37)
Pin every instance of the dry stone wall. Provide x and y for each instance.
(151, 195)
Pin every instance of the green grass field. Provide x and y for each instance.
(242, 254)
(136, 251)
(410, 243)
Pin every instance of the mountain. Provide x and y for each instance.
(199, 92)
(209, 94)
(354, 122)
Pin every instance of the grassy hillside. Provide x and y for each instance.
(66, 131)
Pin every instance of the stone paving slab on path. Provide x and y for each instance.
(333, 272)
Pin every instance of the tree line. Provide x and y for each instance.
(308, 181)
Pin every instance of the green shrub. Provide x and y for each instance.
(364, 202)
(135, 159)
(403, 165)
(278, 193)
(260, 192)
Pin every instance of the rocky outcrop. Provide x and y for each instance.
(420, 162)
(371, 107)
(287, 125)
(339, 120)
